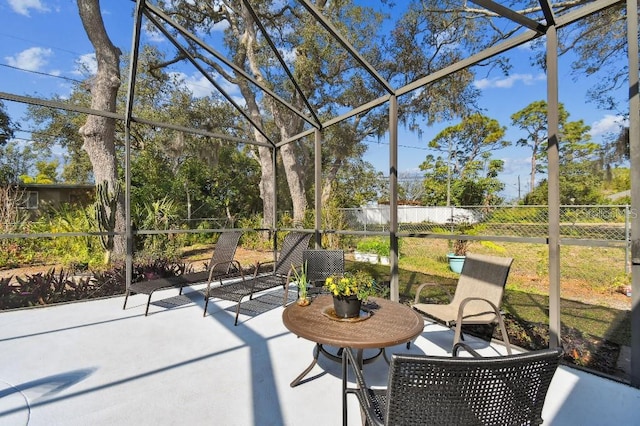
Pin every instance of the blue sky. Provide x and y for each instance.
(46, 38)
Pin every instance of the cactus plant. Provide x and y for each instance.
(106, 203)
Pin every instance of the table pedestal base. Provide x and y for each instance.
(337, 358)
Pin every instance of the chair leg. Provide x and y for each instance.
(285, 299)
(237, 312)
(503, 330)
(345, 363)
(505, 336)
(148, 303)
(206, 303)
(458, 333)
(126, 296)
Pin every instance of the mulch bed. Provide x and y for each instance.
(582, 350)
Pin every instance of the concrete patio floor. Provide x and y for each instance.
(92, 363)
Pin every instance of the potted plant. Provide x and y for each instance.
(373, 250)
(349, 291)
(460, 247)
(303, 283)
(366, 250)
(382, 248)
(457, 257)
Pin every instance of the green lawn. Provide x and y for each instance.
(423, 260)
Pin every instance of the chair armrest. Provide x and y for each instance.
(212, 275)
(260, 264)
(361, 390)
(291, 272)
(466, 347)
(234, 263)
(351, 360)
(423, 286)
(469, 299)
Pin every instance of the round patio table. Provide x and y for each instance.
(385, 324)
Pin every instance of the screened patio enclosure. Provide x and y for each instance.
(540, 25)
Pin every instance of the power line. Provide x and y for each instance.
(421, 148)
(42, 73)
(40, 43)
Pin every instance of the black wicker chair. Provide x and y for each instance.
(506, 390)
(321, 264)
(290, 255)
(221, 265)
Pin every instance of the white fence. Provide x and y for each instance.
(376, 215)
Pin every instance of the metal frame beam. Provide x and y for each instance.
(283, 64)
(121, 117)
(547, 11)
(317, 194)
(393, 198)
(553, 177)
(219, 56)
(206, 75)
(634, 142)
(345, 43)
(133, 61)
(512, 15)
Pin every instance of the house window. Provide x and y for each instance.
(29, 200)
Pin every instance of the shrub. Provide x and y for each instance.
(253, 240)
(8, 293)
(377, 245)
(55, 287)
(43, 288)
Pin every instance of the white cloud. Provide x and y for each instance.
(289, 55)
(153, 35)
(86, 65)
(509, 81)
(200, 86)
(239, 100)
(221, 26)
(608, 124)
(196, 83)
(32, 59)
(23, 6)
(230, 88)
(515, 166)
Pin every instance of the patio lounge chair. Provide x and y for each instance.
(477, 298)
(506, 390)
(222, 265)
(290, 255)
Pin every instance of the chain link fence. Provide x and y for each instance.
(609, 223)
(594, 239)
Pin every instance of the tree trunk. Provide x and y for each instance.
(98, 133)
(296, 183)
(294, 171)
(267, 190)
